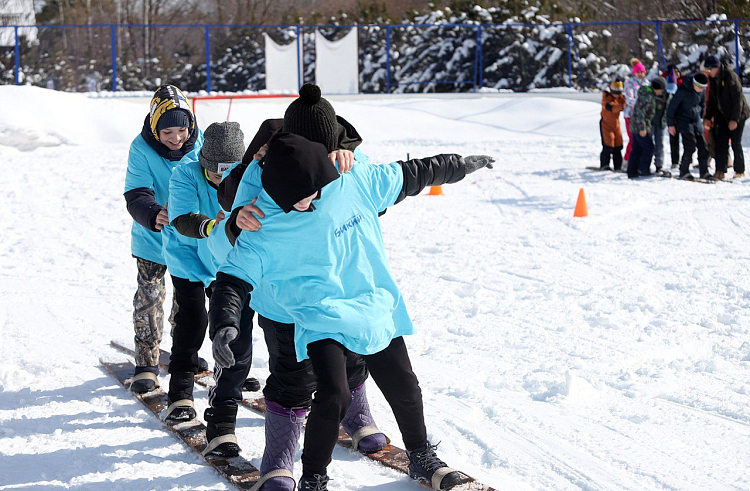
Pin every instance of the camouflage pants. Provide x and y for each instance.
(148, 312)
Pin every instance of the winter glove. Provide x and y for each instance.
(475, 162)
(608, 107)
(223, 355)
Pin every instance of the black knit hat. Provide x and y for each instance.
(312, 117)
(295, 168)
(179, 118)
(700, 79)
(223, 145)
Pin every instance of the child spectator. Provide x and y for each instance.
(674, 80)
(632, 86)
(684, 113)
(641, 128)
(609, 126)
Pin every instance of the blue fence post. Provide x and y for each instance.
(570, 57)
(17, 57)
(387, 59)
(208, 59)
(662, 62)
(113, 42)
(737, 47)
(478, 58)
(299, 58)
(578, 57)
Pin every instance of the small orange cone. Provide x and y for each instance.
(581, 209)
(436, 191)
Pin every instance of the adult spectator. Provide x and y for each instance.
(726, 110)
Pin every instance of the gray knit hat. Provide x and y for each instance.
(312, 117)
(223, 145)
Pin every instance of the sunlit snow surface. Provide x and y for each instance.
(554, 353)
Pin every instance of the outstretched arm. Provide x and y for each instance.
(438, 170)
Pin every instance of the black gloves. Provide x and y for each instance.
(475, 162)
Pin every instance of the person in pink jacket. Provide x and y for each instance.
(632, 86)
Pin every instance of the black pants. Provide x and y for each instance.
(191, 322)
(614, 153)
(291, 382)
(392, 372)
(723, 136)
(640, 157)
(690, 141)
(674, 149)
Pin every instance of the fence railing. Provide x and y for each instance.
(394, 58)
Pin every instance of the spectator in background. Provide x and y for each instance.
(632, 86)
(609, 126)
(659, 121)
(684, 115)
(674, 80)
(641, 125)
(726, 110)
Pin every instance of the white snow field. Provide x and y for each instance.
(604, 353)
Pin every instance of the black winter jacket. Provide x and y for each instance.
(725, 96)
(686, 107)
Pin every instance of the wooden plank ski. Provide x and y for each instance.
(390, 456)
(236, 470)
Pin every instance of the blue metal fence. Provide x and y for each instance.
(479, 32)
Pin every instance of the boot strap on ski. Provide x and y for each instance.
(364, 432)
(438, 475)
(176, 404)
(272, 474)
(218, 441)
(145, 376)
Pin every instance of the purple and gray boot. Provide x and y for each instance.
(283, 428)
(360, 425)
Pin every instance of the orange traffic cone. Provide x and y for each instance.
(581, 209)
(436, 191)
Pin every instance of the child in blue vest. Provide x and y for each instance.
(321, 251)
(194, 211)
(169, 134)
(291, 383)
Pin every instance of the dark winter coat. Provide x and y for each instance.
(643, 112)
(660, 114)
(725, 96)
(686, 108)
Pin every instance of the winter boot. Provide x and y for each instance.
(424, 465)
(202, 365)
(739, 175)
(314, 483)
(144, 380)
(687, 177)
(220, 439)
(251, 384)
(283, 427)
(706, 176)
(360, 425)
(719, 175)
(180, 398)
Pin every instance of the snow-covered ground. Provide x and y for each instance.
(555, 353)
